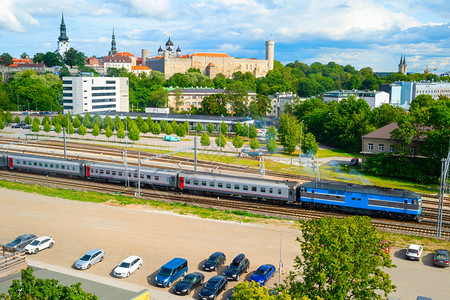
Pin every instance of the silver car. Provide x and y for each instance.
(20, 242)
(89, 258)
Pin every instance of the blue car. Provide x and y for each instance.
(263, 274)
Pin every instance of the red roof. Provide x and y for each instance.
(22, 60)
(145, 68)
(124, 54)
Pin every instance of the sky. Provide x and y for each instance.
(362, 33)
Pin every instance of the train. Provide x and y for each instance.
(325, 195)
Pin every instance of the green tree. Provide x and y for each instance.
(17, 119)
(252, 131)
(198, 127)
(6, 59)
(223, 128)
(8, 117)
(29, 287)
(73, 57)
(144, 128)
(204, 140)
(288, 132)
(134, 133)
(82, 130)
(272, 146)
(309, 144)
(210, 128)
(58, 128)
(47, 127)
(35, 126)
(108, 132)
(169, 129)
(120, 133)
(87, 120)
(271, 133)
(180, 130)
(76, 123)
(95, 131)
(238, 142)
(221, 141)
(253, 290)
(353, 271)
(186, 126)
(238, 128)
(107, 122)
(156, 128)
(2, 124)
(254, 144)
(71, 129)
(28, 120)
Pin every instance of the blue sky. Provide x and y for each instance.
(363, 33)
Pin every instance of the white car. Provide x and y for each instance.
(39, 244)
(414, 252)
(128, 266)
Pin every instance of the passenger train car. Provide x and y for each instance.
(345, 197)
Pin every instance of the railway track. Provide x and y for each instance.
(290, 211)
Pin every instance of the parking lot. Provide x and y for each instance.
(159, 236)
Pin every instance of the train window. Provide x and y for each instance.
(18, 162)
(270, 190)
(120, 173)
(290, 193)
(149, 177)
(40, 164)
(24, 162)
(220, 184)
(187, 181)
(113, 173)
(359, 199)
(412, 202)
(51, 165)
(211, 183)
(406, 201)
(46, 165)
(29, 163)
(101, 171)
(279, 191)
(156, 177)
(63, 167)
(263, 190)
(57, 166)
(236, 186)
(35, 164)
(107, 172)
(228, 186)
(134, 175)
(204, 183)
(129, 174)
(195, 182)
(353, 199)
(142, 176)
(245, 187)
(73, 167)
(253, 188)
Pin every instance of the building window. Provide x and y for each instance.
(391, 148)
(380, 147)
(413, 150)
(370, 147)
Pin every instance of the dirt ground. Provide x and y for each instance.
(155, 236)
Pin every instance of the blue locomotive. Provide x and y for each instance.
(339, 196)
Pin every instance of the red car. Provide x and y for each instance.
(354, 162)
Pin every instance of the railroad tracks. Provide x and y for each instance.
(289, 211)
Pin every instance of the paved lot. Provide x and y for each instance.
(160, 236)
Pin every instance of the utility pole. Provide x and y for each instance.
(18, 109)
(444, 188)
(300, 147)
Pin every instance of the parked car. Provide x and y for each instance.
(414, 252)
(441, 258)
(170, 138)
(239, 265)
(213, 288)
(27, 127)
(354, 162)
(89, 259)
(171, 271)
(20, 242)
(39, 244)
(18, 125)
(214, 261)
(385, 246)
(188, 283)
(263, 274)
(127, 266)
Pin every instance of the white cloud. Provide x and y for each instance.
(8, 20)
(228, 48)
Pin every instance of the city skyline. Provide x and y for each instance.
(361, 33)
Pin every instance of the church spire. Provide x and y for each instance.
(62, 30)
(113, 44)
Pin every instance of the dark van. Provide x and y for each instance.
(171, 271)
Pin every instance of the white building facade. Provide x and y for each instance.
(95, 94)
(279, 102)
(402, 92)
(373, 98)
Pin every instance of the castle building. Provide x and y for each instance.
(210, 64)
(402, 65)
(113, 45)
(63, 40)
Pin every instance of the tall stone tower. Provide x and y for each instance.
(402, 66)
(63, 40)
(145, 54)
(270, 53)
(113, 45)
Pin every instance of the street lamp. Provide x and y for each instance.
(28, 105)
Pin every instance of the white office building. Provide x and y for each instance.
(373, 98)
(95, 94)
(403, 92)
(279, 102)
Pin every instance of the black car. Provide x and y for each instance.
(18, 125)
(239, 265)
(189, 283)
(214, 261)
(213, 288)
(20, 242)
